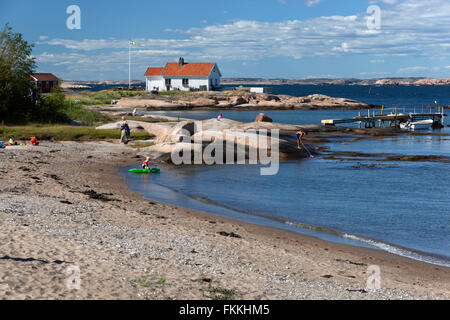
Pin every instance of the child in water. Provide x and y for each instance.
(146, 163)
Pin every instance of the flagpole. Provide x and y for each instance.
(129, 65)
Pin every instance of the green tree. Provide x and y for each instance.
(16, 66)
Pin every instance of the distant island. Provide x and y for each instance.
(339, 81)
(409, 81)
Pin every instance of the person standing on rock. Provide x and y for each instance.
(299, 135)
(125, 128)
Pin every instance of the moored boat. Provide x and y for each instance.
(417, 125)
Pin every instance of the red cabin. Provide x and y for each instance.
(45, 82)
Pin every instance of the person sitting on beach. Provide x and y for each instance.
(299, 135)
(124, 127)
(34, 141)
(220, 117)
(146, 163)
(12, 142)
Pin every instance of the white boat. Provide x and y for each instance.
(417, 125)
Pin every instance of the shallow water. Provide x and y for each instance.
(398, 206)
(404, 204)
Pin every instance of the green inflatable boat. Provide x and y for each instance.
(144, 171)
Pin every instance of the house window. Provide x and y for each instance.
(185, 82)
(217, 82)
(168, 82)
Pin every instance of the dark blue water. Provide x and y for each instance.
(400, 207)
(298, 117)
(377, 95)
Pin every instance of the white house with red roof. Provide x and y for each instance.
(184, 76)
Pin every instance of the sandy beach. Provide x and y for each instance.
(63, 206)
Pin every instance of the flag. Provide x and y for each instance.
(136, 44)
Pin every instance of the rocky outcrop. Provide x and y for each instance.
(263, 118)
(182, 131)
(203, 102)
(249, 101)
(237, 100)
(147, 103)
(420, 82)
(433, 82)
(197, 136)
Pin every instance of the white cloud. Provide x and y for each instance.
(418, 70)
(343, 48)
(412, 28)
(311, 3)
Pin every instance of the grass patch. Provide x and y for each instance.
(222, 294)
(104, 97)
(146, 283)
(64, 133)
(215, 293)
(86, 116)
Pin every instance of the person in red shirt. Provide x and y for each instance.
(34, 141)
(146, 164)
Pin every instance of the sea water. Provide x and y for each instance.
(398, 206)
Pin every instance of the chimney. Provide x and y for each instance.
(181, 62)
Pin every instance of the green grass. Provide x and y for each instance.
(64, 133)
(222, 294)
(215, 293)
(144, 282)
(86, 116)
(104, 97)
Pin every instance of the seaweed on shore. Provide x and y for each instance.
(356, 156)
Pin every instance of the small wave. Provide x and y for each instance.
(442, 261)
(437, 260)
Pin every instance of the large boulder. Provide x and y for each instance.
(203, 102)
(237, 100)
(182, 131)
(159, 128)
(165, 151)
(263, 118)
(253, 138)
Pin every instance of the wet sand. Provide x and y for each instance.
(63, 205)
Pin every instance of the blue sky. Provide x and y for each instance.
(247, 38)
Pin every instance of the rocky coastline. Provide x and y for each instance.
(240, 100)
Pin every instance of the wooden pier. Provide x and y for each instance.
(393, 119)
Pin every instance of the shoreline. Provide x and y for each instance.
(118, 237)
(322, 233)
